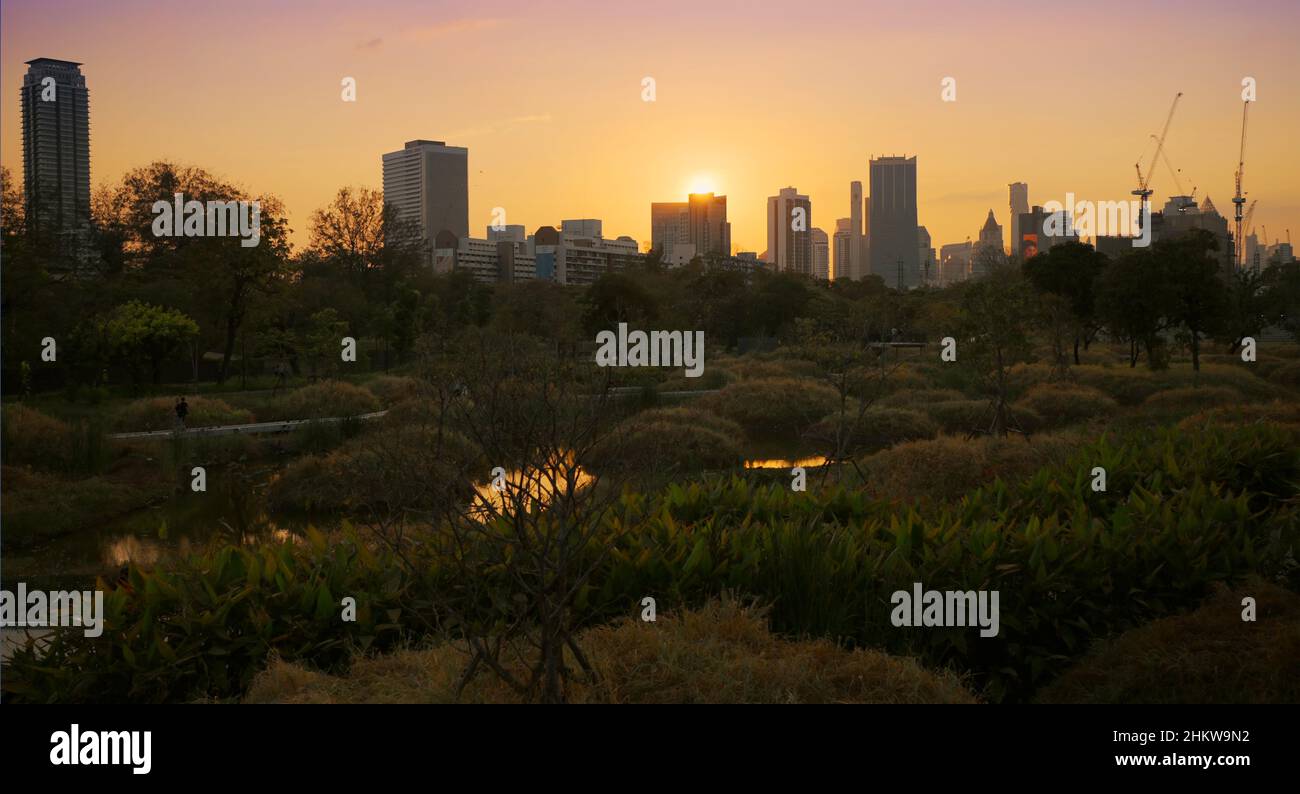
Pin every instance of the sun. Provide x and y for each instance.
(702, 183)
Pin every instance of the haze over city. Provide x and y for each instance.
(751, 97)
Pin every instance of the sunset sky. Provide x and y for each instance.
(752, 96)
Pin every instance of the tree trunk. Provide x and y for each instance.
(1196, 351)
(1076, 350)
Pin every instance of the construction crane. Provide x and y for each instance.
(1240, 198)
(1144, 191)
(1189, 198)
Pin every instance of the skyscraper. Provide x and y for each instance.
(842, 243)
(428, 183)
(857, 250)
(892, 220)
(56, 151)
(1019, 206)
(991, 234)
(682, 230)
(821, 255)
(925, 254)
(789, 238)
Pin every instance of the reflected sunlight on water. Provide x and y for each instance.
(777, 463)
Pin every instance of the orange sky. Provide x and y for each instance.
(753, 96)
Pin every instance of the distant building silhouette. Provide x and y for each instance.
(955, 262)
(1019, 206)
(682, 230)
(428, 183)
(925, 254)
(891, 218)
(821, 255)
(56, 152)
(842, 243)
(789, 243)
(856, 263)
(1040, 230)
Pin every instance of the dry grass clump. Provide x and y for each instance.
(391, 389)
(721, 653)
(1174, 404)
(878, 428)
(1061, 404)
(1278, 411)
(918, 399)
(975, 416)
(1287, 375)
(769, 407)
(947, 467)
(393, 467)
(1209, 655)
(159, 413)
(682, 439)
(326, 399)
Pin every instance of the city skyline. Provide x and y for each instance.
(543, 159)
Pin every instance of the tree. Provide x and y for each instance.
(1134, 301)
(136, 332)
(996, 315)
(1199, 295)
(618, 298)
(1070, 272)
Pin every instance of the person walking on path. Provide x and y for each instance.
(182, 410)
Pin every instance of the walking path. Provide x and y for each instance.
(253, 428)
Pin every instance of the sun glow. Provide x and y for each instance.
(702, 183)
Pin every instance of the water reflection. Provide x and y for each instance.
(529, 487)
(777, 463)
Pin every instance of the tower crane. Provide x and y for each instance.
(1239, 199)
(1143, 190)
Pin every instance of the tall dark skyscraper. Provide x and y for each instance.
(56, 151)
(891, 219)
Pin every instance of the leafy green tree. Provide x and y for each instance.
(1134, 300)
(1200, 303)
(1070, 272)
(618, 298)
(996, 321)
(138, 333)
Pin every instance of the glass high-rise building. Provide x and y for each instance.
(56, 151)
(891, 218)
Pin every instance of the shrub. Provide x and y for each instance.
(1287, 375)
(159, 413)
(326, 399)
(947, 467)
(769, 407)
(390, 390)
(975, 416)
(206, 628)
(1061, 404)
(749, 368)
(1022, 377)
(720, 653)
(1285, 413)
(1127, 386)
(1174, 404)
(878, 428)
(1207, 656)
(33, 438)
(683, 439)
(392, 468)
(918, 399)
(40, 506)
